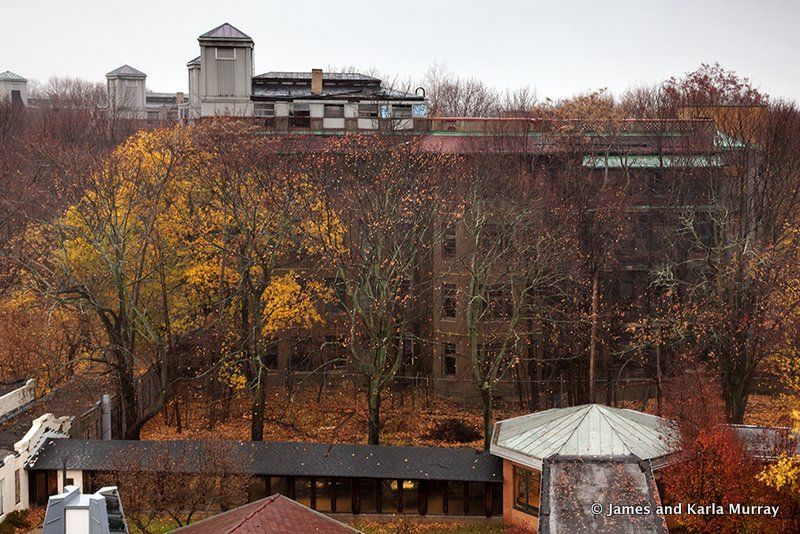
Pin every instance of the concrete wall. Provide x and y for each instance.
(13, 477)
(7, 86)
(225, 84)
(194, 92)
(128, 96)
(12, 401)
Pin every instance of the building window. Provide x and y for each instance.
(334, 111)
(526, 490)
(401, 111)
(334, 350)
(499, 301)
(301, 358)
(16, 96)
(271, 357)
(16, 487)
(299, 115)
(368, 111)
(448, 301)
(449, 359)
(225, 54)
(264, 109)
(449, 240)
(2, 485)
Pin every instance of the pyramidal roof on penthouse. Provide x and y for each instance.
(226, 32)
(9, 76)
(591, 430)
(128, 71)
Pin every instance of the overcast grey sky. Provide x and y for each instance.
(559, 47)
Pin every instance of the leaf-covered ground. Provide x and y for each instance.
(338, 415)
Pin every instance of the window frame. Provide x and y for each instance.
(218, 48)
(522, 474)
(371, 113)
(449, 294)
(327, 107)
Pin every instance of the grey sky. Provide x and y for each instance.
(559, 47)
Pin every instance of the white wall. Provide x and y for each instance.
(17, 398)
(42, 428)
(7, 86)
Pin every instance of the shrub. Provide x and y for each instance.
(454, 431)
(14, 520)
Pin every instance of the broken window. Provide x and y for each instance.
(448, 301)
(299, 115)
(368, 111)
(334, 111)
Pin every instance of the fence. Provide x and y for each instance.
(89, 424)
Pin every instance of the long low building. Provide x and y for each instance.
(335, 478)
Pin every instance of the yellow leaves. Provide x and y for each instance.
(784, 475)
(288, 304)
(231, 375)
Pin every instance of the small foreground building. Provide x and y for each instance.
(559, 463)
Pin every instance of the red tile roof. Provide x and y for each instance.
(273, 514)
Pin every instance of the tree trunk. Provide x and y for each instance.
(130, 402)
(593, 335)
(257, 408)
(374, 415)
(659, 392)
(486, 398)
(736, 394)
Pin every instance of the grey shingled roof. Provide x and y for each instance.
(9, 76)
(587, 430)
(127, 71)
(195, 61)
(275, 459)
(226, 32)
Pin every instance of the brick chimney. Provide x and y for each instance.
(316, 81)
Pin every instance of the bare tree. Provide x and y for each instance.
(372, 225)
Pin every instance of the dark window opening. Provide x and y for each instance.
(271, 357)
(449, 301)
(449, 359)
(301, 357)
(449, 241)
(335, 350)
(299, 115)
(334, 111)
